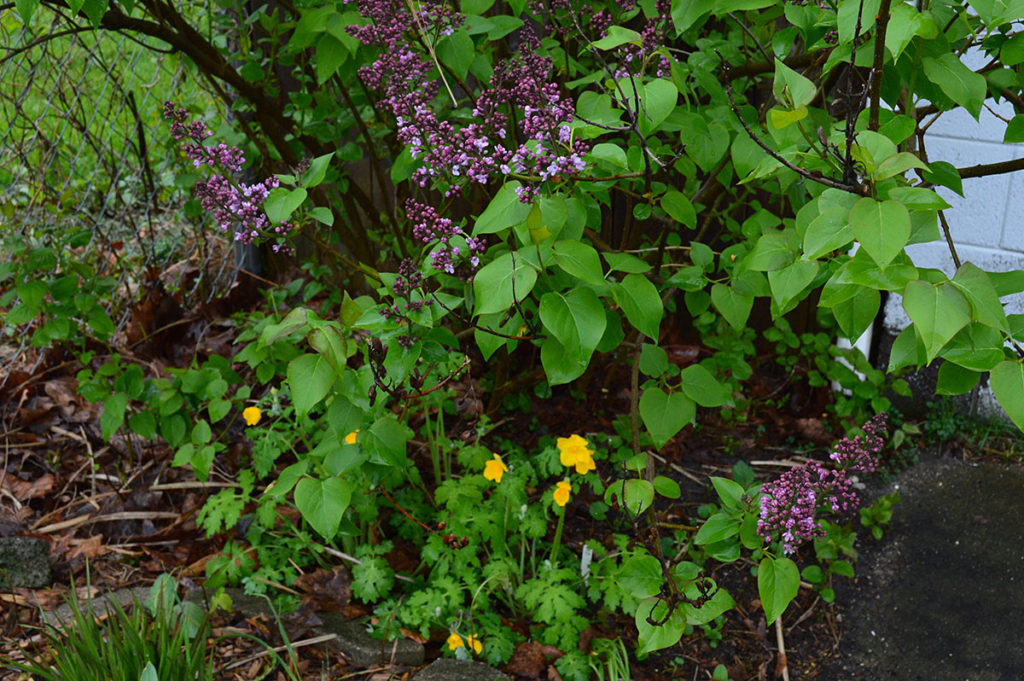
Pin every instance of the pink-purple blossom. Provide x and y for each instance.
(455, 251)
(790, 503)
(652, 39)
(234, 206)
(487, 147)
(195, 132)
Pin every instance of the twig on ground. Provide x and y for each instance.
(807, 613)
(278, 649)
(110, 517)
(678, 469)
(781, 667)
(355, 561)
(193, 484)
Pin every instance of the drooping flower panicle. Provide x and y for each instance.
(789, 503)
(479, 151)
(428, 227)
(234, 206)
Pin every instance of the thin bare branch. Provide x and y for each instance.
(802, 172)
(876, 68)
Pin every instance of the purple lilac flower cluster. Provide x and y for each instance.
(235, 206)
(449, 257)
(860, 453)
(474, 153)
(600, 22)
(401, 73)
(408, 280)
(195, 132)
(540, 8)
(652, 38)
(789, 503)
(524, 82)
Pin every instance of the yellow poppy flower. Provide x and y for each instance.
(455, 641)
(562, 490)
(495, 468)
(350, 439)
(575, 451)
(473, 642)
(585, 462)
(251, 415)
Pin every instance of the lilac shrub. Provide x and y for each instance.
(234, 206)
(789, 504)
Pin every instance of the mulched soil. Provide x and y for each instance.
(117, 514)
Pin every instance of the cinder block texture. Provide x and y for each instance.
(959, 124)
(936, 255)
(977, 217)
(1013, 222)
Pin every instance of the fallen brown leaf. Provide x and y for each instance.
(87, 548)
(682, 355)
(814, 430)
(528, 660)
(326, 589)
(23, 490)
(62, 391)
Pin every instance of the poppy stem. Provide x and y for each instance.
(557, 543)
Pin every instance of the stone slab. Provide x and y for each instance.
(354, 642)
(24, 563)
(99, 606)
(447, 669)
(352, 638)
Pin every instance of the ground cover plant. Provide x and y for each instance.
(490, 205)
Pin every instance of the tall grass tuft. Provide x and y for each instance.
(163, 639)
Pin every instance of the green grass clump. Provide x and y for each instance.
(162, 639)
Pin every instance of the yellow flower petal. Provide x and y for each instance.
(473, 642)
(251, 415)
(573, 449)
(562, 490)
(350, 439)
(585, 464)
(495, 468)
(455, 641)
